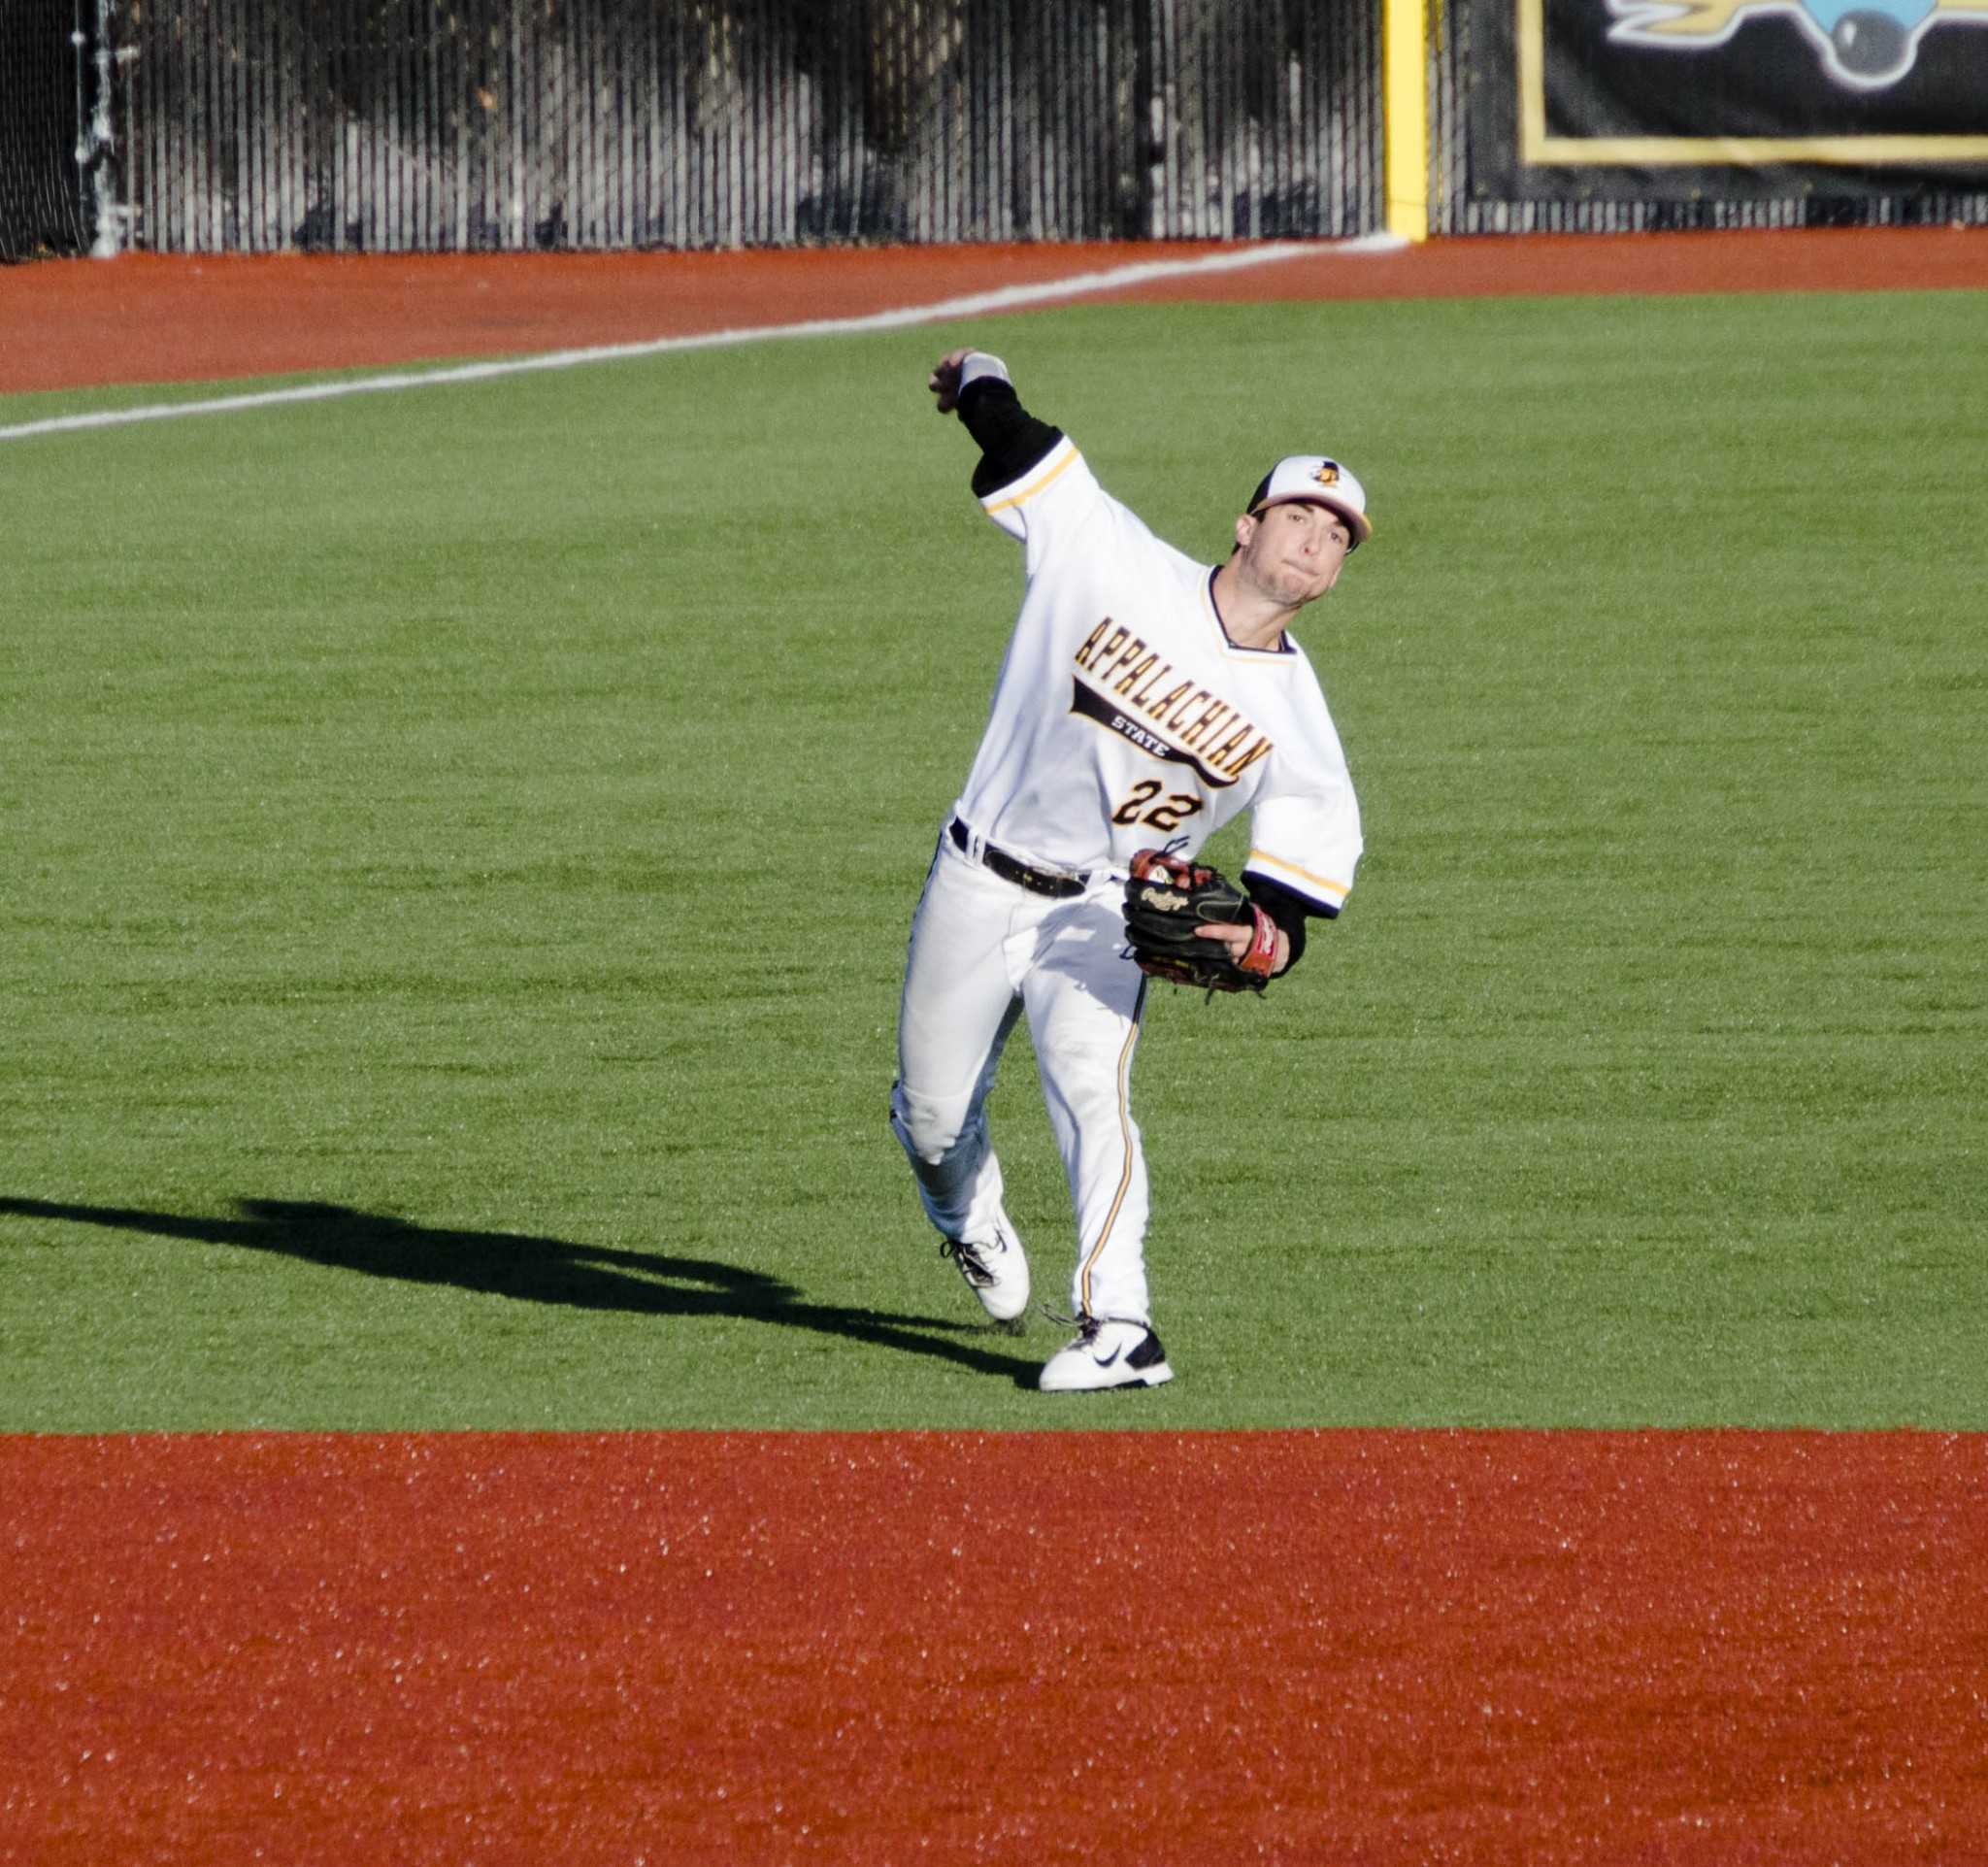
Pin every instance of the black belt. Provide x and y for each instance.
(1034, 881)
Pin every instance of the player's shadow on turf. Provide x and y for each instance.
(538, 1270)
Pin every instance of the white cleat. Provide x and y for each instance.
(1106, 1353)
(996, 1270)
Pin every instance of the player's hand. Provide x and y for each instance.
(944, 383)
(1235, 936)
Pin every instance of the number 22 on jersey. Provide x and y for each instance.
(1166, 815)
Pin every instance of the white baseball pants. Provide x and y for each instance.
(984, 952)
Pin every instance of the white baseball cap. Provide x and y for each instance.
(1322, 480)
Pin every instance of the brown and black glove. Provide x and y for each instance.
(1167, 898)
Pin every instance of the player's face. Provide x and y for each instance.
(1293, 551)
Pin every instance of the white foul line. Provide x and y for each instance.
(1008, 298)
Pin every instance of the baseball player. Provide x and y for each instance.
(1144, 700)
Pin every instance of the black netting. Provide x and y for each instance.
(388, 125)
(393, 124)
(41, 190)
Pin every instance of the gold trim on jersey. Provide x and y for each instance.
(1083, 1275)
(1319, 883)
(1031, 487)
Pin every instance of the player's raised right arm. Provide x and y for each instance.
(1010, 439)
(945, 382)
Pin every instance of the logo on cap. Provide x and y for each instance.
(1328, 474)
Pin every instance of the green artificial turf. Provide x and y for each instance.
(460, 846)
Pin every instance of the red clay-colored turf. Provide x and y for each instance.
(1339, 1647)
(141, 319)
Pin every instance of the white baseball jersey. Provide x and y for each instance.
(1124, 717)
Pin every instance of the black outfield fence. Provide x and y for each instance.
(44, 91)
(391, 125)
(397, 125)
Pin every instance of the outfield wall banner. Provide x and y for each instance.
(1671, 99)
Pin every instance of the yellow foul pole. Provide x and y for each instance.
(1405, 88)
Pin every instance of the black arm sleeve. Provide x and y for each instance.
(1287, 907)
(1010, 439)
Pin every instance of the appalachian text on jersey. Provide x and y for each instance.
(1195, 713)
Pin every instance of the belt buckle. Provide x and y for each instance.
(1058, 888)
(1012, 869)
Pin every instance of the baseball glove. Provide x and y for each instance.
(1167, 898)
